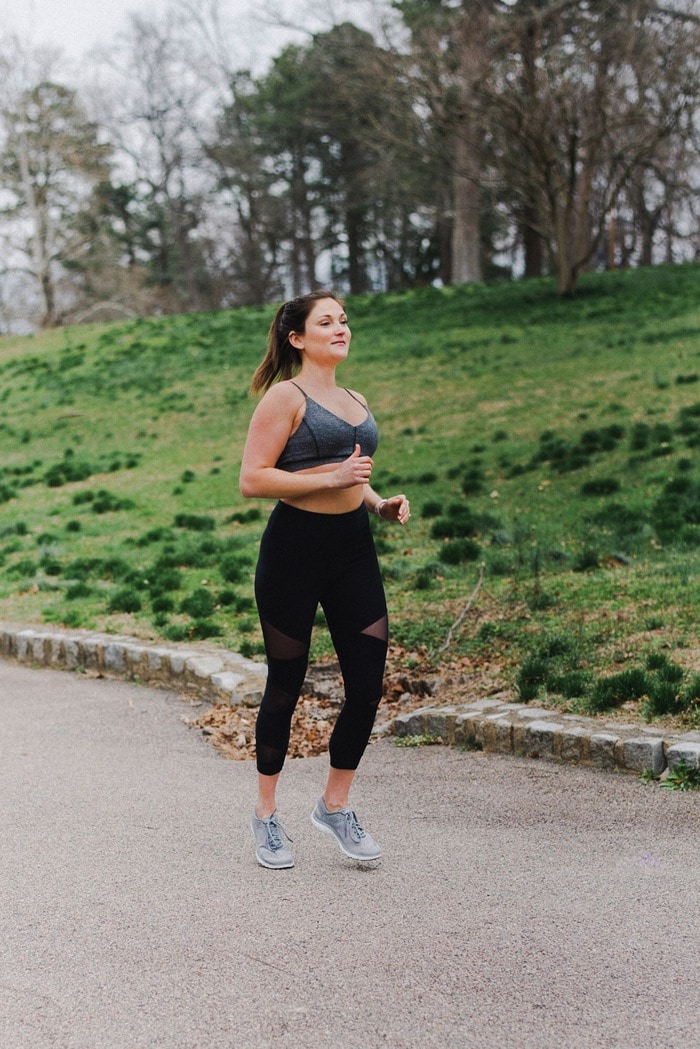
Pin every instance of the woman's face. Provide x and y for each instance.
(326, 335)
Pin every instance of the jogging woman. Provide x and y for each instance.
(310, 446)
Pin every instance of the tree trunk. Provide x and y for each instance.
(533, 244)
(466, 238)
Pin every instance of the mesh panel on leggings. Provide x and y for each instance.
(287, 659)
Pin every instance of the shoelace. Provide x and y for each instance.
(274, 839)
(353, 828)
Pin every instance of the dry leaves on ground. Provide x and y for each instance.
(232, 729)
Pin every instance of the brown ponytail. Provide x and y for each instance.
(282, 360)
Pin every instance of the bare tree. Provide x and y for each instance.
(52, 159)
(157, 107)
(607, 86)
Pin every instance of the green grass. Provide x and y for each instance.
(554, 441)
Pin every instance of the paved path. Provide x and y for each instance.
(519, 904)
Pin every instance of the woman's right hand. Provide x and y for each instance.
(357, 469)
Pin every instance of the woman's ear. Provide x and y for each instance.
(295, 340)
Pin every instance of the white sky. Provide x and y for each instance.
(76, 26)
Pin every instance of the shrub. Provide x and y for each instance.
(601, 486)
(195, 522)
(423, 578)
(244, 516)
(68, 470)
(227, 598)
(105, 502)
(587, 560)
(457, 551)
(572, 684)
(162, 603)
(155, 535)
(198, 604)
(50, 566)
(473, 480)
(613, 691)
(662, 699)
(232, 569)
(433, 508)
(127, 599)
(690, 693)
(163, 580)
(24, 567)
(78, 591)
(666, 669)
(531, 677)
(204, 628)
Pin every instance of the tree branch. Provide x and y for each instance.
(460, 618)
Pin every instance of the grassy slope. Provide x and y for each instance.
(500, 399)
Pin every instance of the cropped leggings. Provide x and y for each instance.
(307, 559)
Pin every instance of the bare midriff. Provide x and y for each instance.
(328, 500)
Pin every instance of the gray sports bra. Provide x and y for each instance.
(323, 437)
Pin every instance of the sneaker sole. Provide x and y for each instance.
(274, 866)
(353, 855)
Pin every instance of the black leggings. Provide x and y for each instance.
(307, 559)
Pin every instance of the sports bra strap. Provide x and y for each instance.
(344, 387)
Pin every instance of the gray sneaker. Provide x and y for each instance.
(270, 850)
(345, 827)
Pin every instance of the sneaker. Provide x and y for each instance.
(270, 850)
(345, 827)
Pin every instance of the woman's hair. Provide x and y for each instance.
(283, 360)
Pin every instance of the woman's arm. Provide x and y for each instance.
(396, 508)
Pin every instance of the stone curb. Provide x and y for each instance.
(512, 728)
(218, 675)
(202, 670)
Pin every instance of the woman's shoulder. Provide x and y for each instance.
(357, 395)
(283, 394)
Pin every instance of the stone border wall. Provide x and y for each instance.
(218, 676)
(512, 728)
(202, 670)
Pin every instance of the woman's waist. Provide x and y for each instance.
(333, 502)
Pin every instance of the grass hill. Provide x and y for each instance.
(553, 442)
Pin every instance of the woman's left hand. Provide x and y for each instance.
(397, 508)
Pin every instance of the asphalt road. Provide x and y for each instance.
(518, 904)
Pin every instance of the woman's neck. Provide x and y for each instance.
(318, 378)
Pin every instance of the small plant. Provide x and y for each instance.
(424, 578)
(683, 777)
(422, 740)
(195, 522)
(105, 502)
(601, 486)
(78, 591)
(127, 599)
(431, 509)
(587, 560)
(201, 629)
(198, 604)
(613, 691)
(458, 551)
(233, 569)
(531, 677)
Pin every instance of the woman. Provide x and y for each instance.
(310, 446)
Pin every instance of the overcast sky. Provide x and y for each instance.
(76, 26)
